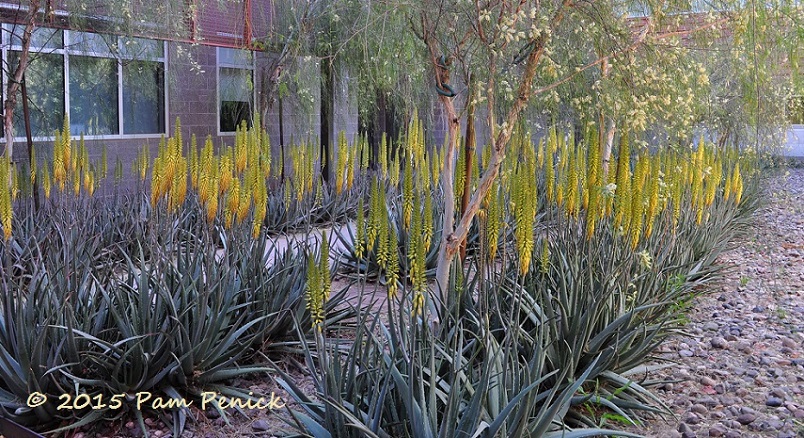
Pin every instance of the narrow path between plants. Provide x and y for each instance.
(740, 360)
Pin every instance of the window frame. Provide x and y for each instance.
(66, 51)
(218, 65)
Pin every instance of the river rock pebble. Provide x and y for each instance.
(739, 362)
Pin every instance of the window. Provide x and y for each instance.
(93, 96)
(106, 85)
(235, 88)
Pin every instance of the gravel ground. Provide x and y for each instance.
(740, 363)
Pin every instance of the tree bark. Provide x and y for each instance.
(16, 77)
(451, 235)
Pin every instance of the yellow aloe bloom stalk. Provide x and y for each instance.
(376, 205)
(341, 160)
(415, 243)
(494, 219)
(225, 172)
(524, 216)
(87, 182)
(212, 202)
(583, 198)
(637, 201)
(418, 304)
(266, 157)
(33, 168)
(571, 190)
(623, 190)
(360, 229)
(260, 194)
(66, 146)
(727, 187)
(6, 208)
(241, 152)
(46, 181)
(427, 217)
(544, 257)
(323, 267)
(59, 175)
(244, 203)
(353, 165)
(738, 184)
(435, 169)
(653, 195)
(460, 174)
(394, 170)
(313, 293)
(593, 186)
(383, 239)
(392, 264)
(407, 194)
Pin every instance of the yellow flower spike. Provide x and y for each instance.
(392, 265)
(6, 208)
(46, 181)
(727, 187)
(637, 201)
(66, 145)
(460, 174)
(87, 181)
(407, 195)
(313, 293)
(544, 257)
(435, 169)
(583, 194)
(225, 174)
(241, 156)
(180, 189)
(593, 187)
(573, 198)
(353, 167)
(212, 202)
(653, 197)
(374, 217)
(323, 268)
(341, 159)
(524, 215)
(418, 304)
(623, 190)
(494, 219)
(427, 218)
(360, 229)
(260, 194)
(393, 172)
(738, 184)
